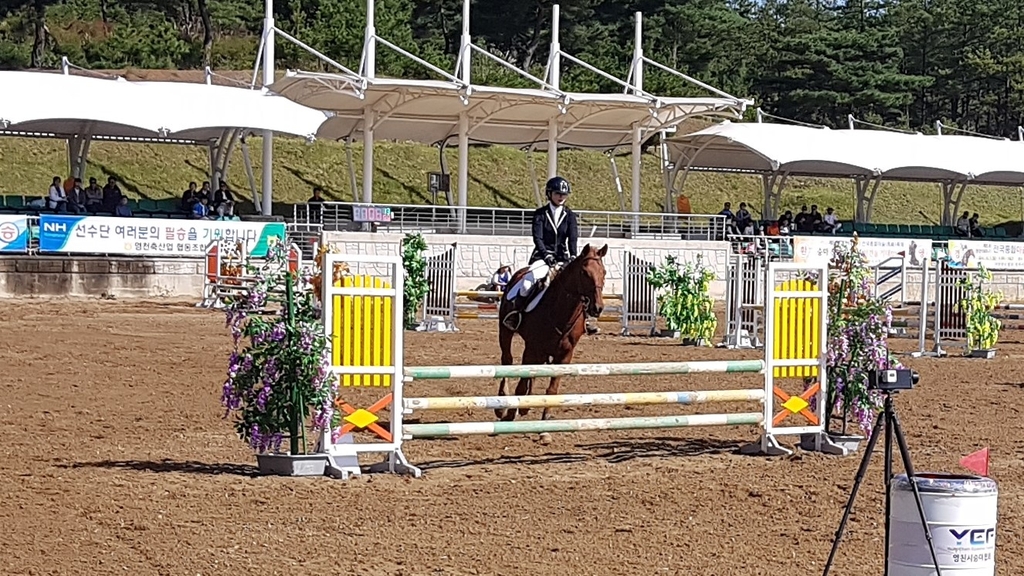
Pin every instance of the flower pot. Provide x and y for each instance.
(292, 464)
(986, 353)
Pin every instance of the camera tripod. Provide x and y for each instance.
(887, 418)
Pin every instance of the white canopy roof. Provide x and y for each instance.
(427, 111)
(68, 105)
(821, 152)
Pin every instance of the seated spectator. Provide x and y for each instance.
(317, 197)
(744, 222)
(76, 198)
(786, 223)
(816, 219)
(122, 208)
(975, 228)
(188, 197)
(223, 194)
(963, 225)
(204, 191)
(57, 199)
(111, 195)
(831, 223)
(803, 221)
(226, 211)
(200, 210)
(93, 196)
(500, 279)
(730, 218)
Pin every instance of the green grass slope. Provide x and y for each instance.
(499, 176)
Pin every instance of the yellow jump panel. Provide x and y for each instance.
(361, 331)
(797, 332)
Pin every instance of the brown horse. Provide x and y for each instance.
(552, 329)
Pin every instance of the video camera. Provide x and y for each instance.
(892, 380)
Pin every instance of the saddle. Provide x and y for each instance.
(526, 300)
(536, 292)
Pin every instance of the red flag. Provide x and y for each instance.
(976, 462)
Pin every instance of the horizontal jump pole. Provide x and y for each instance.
(553, 370)
(496, 294)
(555, 400)
(411, 431)
(459, 315)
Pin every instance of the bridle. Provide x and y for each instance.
(584, 301)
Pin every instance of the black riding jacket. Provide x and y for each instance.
(558, 239)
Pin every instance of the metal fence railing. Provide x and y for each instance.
(339, 216)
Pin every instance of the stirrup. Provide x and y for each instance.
(512, 320)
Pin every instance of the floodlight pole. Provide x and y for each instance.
(638, 86)
(369, 114)
(464, 75)
(268, 135)
(554, 79)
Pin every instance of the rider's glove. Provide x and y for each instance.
(549, 260)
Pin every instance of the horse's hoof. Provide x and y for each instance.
(545, 438)
(524, 411)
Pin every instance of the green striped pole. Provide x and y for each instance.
(412, 431)
(614, 399)
(552, 370)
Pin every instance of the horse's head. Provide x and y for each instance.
(586, 275)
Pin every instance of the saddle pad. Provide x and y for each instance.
(536, 299)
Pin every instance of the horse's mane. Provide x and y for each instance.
(572, 266)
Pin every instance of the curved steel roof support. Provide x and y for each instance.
(774, 183)
(247, 162)
(617, 180)
(865, 201)
(672, 189)
(78, 152)
(952, 194)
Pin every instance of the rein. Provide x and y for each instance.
(581, 308)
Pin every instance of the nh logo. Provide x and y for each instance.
(55, 227)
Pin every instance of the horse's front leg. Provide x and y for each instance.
(505, 341)
(564, 356)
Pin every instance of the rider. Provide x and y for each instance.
(555, 235)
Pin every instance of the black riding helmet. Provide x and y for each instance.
(557, 184)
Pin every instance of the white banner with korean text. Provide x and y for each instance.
(150, 237)
(818, 249)
(990, 254)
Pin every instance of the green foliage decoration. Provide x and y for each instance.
(686, 303)
(977, 306)
(416, 284)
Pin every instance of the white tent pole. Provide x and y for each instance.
(638, 83)
(369, 114)
(268, 135)
(554, 79)
(464, 75)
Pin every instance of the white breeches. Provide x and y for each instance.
(537, 270)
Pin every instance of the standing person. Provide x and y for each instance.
(555, 237)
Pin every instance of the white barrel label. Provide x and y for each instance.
(966, 546)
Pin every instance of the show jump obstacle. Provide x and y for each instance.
(635, 310)
(363, 321)
(226, 271)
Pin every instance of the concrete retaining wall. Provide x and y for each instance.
(99, 276)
